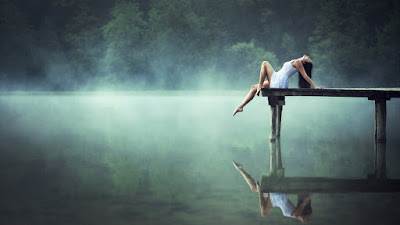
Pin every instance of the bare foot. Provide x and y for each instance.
(238, 109)
(237, 165)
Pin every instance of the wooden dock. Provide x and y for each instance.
(370, 93)
(376, 182)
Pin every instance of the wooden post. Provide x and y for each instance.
(272, 158)
(380, 139)
(380, 121)
(274, 116)
(279, 119)
(276, 103)
(380, 161)
(278, 154)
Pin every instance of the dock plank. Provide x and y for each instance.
(371, 93)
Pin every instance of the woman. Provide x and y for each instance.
(280, 79)
(302, 212)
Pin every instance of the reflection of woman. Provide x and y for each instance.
(280, 79)
(302, 212)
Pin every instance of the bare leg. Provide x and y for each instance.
(263, 204)
(249, 97)
(249, 180)
(264, 208)
(265, 72)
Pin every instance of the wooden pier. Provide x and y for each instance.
(376, 182)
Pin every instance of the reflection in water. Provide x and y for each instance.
(274, 188)
(268, 200)
(141, 159)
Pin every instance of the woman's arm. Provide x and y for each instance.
(299, 65)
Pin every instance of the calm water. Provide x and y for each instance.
(166, 158)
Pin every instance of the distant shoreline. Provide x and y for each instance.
(127, 93)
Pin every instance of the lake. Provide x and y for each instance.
(166, 157)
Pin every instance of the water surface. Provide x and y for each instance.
(166, 158)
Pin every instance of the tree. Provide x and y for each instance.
(15, 39)
(244, 61)
(124, 37)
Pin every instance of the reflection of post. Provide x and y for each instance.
(272, 158)
(380, 139)
(380, 160)
(278, 153)
(276, 169)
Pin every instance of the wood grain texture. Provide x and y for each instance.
(371, 93)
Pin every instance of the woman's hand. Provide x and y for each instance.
(315, 87)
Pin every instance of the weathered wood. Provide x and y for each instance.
(278, 120)
(274, 115)
(276, 100)
(327, 185)
(275, 164)
(380, 160)
(380, 121)
(372, 93)
(380, 139)
(276, 103)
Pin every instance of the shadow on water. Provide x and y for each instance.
(137, 159)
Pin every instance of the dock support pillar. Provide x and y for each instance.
(276, 103)
(380, 139)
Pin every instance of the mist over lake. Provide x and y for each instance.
(166, 157)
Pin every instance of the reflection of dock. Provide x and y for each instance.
(277, 182)
(327, 185)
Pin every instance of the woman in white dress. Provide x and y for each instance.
(280, 79)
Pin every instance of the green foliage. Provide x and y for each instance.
(84, 40)
(244, 60)
(344, 42)
(124, 37)
(16, 34)
(171, 43)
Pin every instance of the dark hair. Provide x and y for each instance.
(302, 82)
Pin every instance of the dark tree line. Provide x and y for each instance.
(172, 44)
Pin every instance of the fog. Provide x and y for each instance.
(185, 45)
(120, 112)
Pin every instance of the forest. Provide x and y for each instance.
(67, 45)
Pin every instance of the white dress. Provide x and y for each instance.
(282, 201)
(280, 79)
